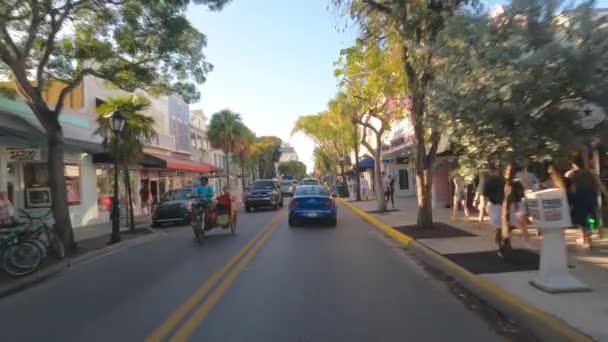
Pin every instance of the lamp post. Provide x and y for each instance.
(117, 124)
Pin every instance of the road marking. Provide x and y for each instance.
(176, 316)
(197, 317)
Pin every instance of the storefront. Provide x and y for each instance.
(24, 174)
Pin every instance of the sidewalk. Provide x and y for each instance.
(472, 247)
(100, 229)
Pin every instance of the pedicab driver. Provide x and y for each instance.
(204, 193)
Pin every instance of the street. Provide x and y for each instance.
(347, 283)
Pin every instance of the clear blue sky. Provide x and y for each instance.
(273, 61)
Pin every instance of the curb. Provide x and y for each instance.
(542, 324)
(23, 283)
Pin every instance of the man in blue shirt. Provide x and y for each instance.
(204, 191)
(204, 194)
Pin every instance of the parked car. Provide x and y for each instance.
(175, 207)
(287, 188)
(312, 203)
(310, 181)
(264, 193)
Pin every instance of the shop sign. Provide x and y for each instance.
(23, 154)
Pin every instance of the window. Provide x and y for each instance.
(36, 179)
(404, 181)
(312, 191)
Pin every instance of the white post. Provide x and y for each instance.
(136, 191)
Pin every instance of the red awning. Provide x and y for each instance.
(187, 165)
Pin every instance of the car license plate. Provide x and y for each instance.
(312, 215)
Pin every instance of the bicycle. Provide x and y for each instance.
(18, 257)
(198, 218)
(40, 231)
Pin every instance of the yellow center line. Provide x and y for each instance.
(176, 316)
(195, 319)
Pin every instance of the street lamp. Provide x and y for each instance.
(117, 124)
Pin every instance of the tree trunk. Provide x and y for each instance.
(59, 196)
(357, 178)
(424, 164)
(506, 202)
(228, 169)
(379, 182)
(343, 174)
(129, 198)
(243, 183)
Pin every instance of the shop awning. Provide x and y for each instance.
(187, 165)
(148, 161)
(366, 163)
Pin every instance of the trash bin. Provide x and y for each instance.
(341, 190)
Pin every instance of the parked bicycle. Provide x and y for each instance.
(39, 230)
(18, 257)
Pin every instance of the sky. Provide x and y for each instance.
(272, 63)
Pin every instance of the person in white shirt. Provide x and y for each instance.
(528, 179)
(364, 188)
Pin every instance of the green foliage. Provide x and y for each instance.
(138, 130)
(226, 130)
(515, 85)
(265, 153)
(293, 168)
(133, 44)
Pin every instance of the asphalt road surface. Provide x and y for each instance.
(270, 282)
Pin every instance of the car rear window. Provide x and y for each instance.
(261, 185)
(182, 194)
(286, 184)
(312, 191)
(310, 182)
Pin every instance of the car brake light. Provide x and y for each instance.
(295, 202)
(329, 202)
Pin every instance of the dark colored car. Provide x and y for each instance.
(264, 193)
(175, 207)
(312, 203)
(287, 187)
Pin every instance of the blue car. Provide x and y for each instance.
(312, 203)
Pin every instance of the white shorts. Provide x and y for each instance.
(494, 212)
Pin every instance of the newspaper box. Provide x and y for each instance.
(550, 211)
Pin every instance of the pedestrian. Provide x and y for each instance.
(480, 201)
(364, 184)
(583, 187)
(493, 192)
(460, 196)
(386, 187)
(146, 199)
(7, 211)
(516, 219)
(528, 179)
(391, 188)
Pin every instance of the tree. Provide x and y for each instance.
(266, 152)
(490, 76)
(225, 131)
(371, 78)
(147, 45)
(244, 150)
(413, 26)
(292, 168)
(330, 130)
(138, 130)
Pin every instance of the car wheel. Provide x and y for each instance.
(187, 220)
(281, 203)
(276, 206)
(154, 224)
(247, 209)
(291, 222)
(333, 222)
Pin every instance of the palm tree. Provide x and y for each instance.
(244, 149)
(138, 130)
(225, 129)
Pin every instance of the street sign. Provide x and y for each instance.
(23, 154)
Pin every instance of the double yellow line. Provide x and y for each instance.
(241, 259)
